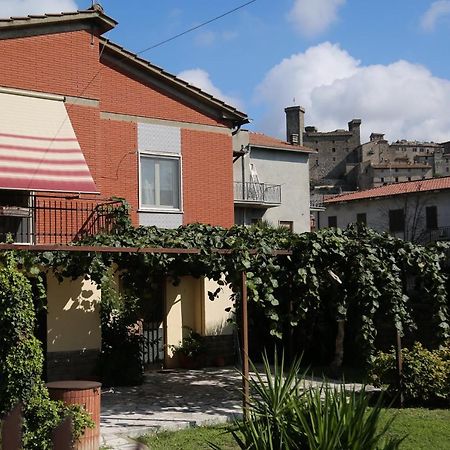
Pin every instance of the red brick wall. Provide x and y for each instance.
(207, 178)
(124, 94)
(67, 64)
(63, 63)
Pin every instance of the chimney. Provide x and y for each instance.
(295, 124)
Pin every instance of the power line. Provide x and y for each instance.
(231, 11)
(165, 41)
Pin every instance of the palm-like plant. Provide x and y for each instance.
(285, 414)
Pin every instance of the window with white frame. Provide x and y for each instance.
(160, 182)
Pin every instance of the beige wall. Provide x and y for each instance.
(73, 319)
(188, 307)
(215, 316)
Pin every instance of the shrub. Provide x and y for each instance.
(426, 374)
(284, 414)
(21, 364)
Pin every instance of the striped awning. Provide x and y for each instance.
(38, 147)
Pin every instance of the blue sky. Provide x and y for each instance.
(386, 62)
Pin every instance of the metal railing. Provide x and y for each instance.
(152, 344)
(259, 193)
(55, 220)
(316, 202)
(436, 234)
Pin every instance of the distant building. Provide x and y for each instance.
(337, 156)
(416, 210)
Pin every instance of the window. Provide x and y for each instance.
(333, 150)
(287, 224)
(334, 159)
(15, 216)
(382, 179)
(446, 169)
(409, 178)
(431, 217)
(396, 220)
(396, 169)
(160, 182)
(332, 221)
(361, 218)
(317, 162)
(396, 179)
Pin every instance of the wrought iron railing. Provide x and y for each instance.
(46, 219)
(316, 202)
(436, 234)
(260, 193)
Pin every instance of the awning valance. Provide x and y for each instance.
(38, 147)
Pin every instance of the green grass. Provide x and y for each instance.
(426, 429)
(190, 439)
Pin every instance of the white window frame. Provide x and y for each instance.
(159, 155)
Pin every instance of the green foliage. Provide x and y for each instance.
(289, 291)
(21, 363)
(426, 374)
(192, 345)
(119, 361)
(285, 414)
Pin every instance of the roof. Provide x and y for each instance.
(104, 22)
(20, 26)
(261, 140)
(389, 190)
(328, 133)
(229, 112)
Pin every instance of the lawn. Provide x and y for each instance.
(425, 429)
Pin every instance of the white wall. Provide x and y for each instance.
(377, 211)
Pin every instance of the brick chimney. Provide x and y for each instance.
(295, 124)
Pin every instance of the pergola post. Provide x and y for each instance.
(244, 352)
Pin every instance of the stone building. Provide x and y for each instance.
(337, 155)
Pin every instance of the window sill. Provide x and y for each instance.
(160, 211)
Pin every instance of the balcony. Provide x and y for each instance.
(257, 195)
(45, 219)
(316, 202)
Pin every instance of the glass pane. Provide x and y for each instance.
(168, 183)
(160, 179)
(147, 181)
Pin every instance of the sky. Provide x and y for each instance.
(386, 62)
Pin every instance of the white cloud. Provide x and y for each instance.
(312, 17)
(402, 99)
(436, 11)
(10, 8)
(201, 79)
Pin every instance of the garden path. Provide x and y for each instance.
(170, 400)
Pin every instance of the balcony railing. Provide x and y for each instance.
(437, 234)
(257, 194)
(41, 219)
(316, 202)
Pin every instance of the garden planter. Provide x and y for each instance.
(189, 362)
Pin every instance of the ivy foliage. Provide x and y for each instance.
(21, 363)
(356, 271)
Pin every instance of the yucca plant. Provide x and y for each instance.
(285, 414)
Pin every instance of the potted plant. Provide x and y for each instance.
(190, 351)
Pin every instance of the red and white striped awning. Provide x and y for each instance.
(38, 147)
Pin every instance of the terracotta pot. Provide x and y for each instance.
(188, 362)
(219, 361)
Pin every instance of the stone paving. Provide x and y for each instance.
(170, 400)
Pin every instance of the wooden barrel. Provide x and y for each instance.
(87, 394)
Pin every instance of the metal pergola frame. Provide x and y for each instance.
(180, 251)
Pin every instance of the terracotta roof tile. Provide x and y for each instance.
(265, 141)
(394, 189)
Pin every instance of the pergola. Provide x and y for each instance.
(180, 251)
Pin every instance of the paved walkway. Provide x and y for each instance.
(170, 400)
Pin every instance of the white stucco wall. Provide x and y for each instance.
(289, 169)
(377, 210)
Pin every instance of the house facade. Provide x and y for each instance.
(271, 181)
(83, 120)
(417, 210)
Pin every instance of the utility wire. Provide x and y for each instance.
(159, 44)
(231, 11)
